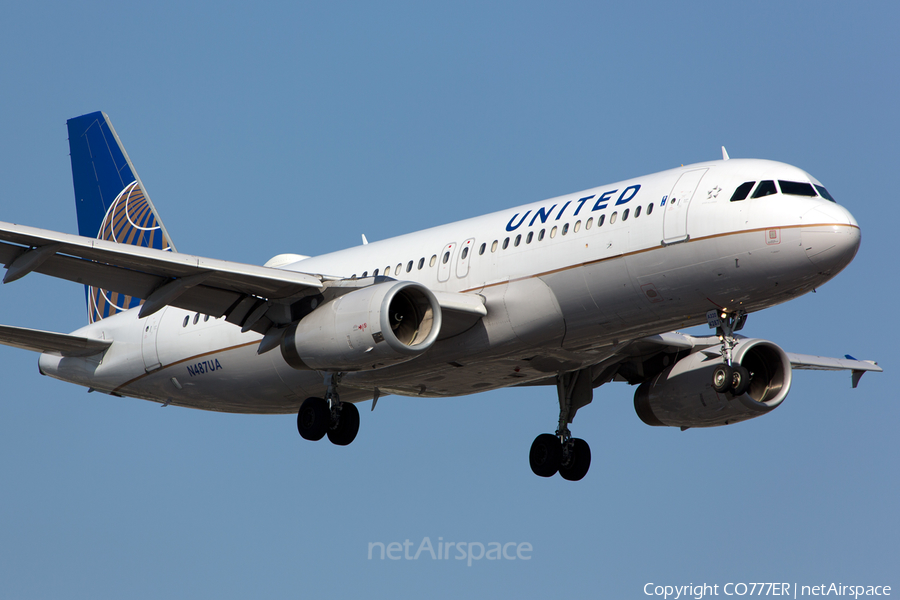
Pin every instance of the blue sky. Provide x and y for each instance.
(279, 127)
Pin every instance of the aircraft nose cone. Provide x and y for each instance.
(830, 236)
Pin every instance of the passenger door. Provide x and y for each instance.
(675, 218)
(148, 341)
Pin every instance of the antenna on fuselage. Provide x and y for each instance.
(724, 153)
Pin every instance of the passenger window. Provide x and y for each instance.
(637, 212)
(589, 223)
(481, 250)
(186, 319)
(612, 218)
(375, 273)
(824, 193)
(494, 246)
(529, 237)
(796, 188)
(433, 260)
(577, 226)
(421, 263)
(541, 235)
(741, 192)
(506, 243)
(387, 271)
(553, 232)
(196, 318)
(205, 318)
(518, 239)
(565, 229)
(649, 208)
(409, 266)
(600, 220)
(446, 258)
(398, 269)
(465, 253)
(625, 214)
(765, 188)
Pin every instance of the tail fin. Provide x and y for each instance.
(111, 201)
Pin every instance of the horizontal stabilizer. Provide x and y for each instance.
(48, 341)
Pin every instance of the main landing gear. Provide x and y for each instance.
(329, 416)
(560, 452)
(728, 377)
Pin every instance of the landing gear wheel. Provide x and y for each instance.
(740, 381)
(545, 455)
(722, 378)
(313, 419)
(579, 461)
(344, 431)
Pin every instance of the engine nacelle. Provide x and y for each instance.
(370, 328)
(683, 396)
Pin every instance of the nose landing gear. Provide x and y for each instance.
(728, 377)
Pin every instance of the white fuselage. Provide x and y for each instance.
(565, 282)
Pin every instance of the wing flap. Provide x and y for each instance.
(48, 341)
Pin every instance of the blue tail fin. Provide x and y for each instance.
(111, 201)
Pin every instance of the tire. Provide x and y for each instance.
(722, 378)
(580, 463)
(545, 455)
(740, 381)
(345, 430)
(313, 419)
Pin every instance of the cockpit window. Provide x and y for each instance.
(742, 191)
(796, 188)
(765, 188)
(824, 193)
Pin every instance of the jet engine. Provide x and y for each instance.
(369, 328)
(683, 396)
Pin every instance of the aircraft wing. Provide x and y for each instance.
(248, 295)
(675, 341)
(214, 287)
(48, 341)
(825, 363)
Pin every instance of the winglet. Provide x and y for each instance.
(724, 153)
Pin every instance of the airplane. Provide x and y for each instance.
(571, 292)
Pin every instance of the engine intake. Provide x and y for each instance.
(683, 396)
(369, 328)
